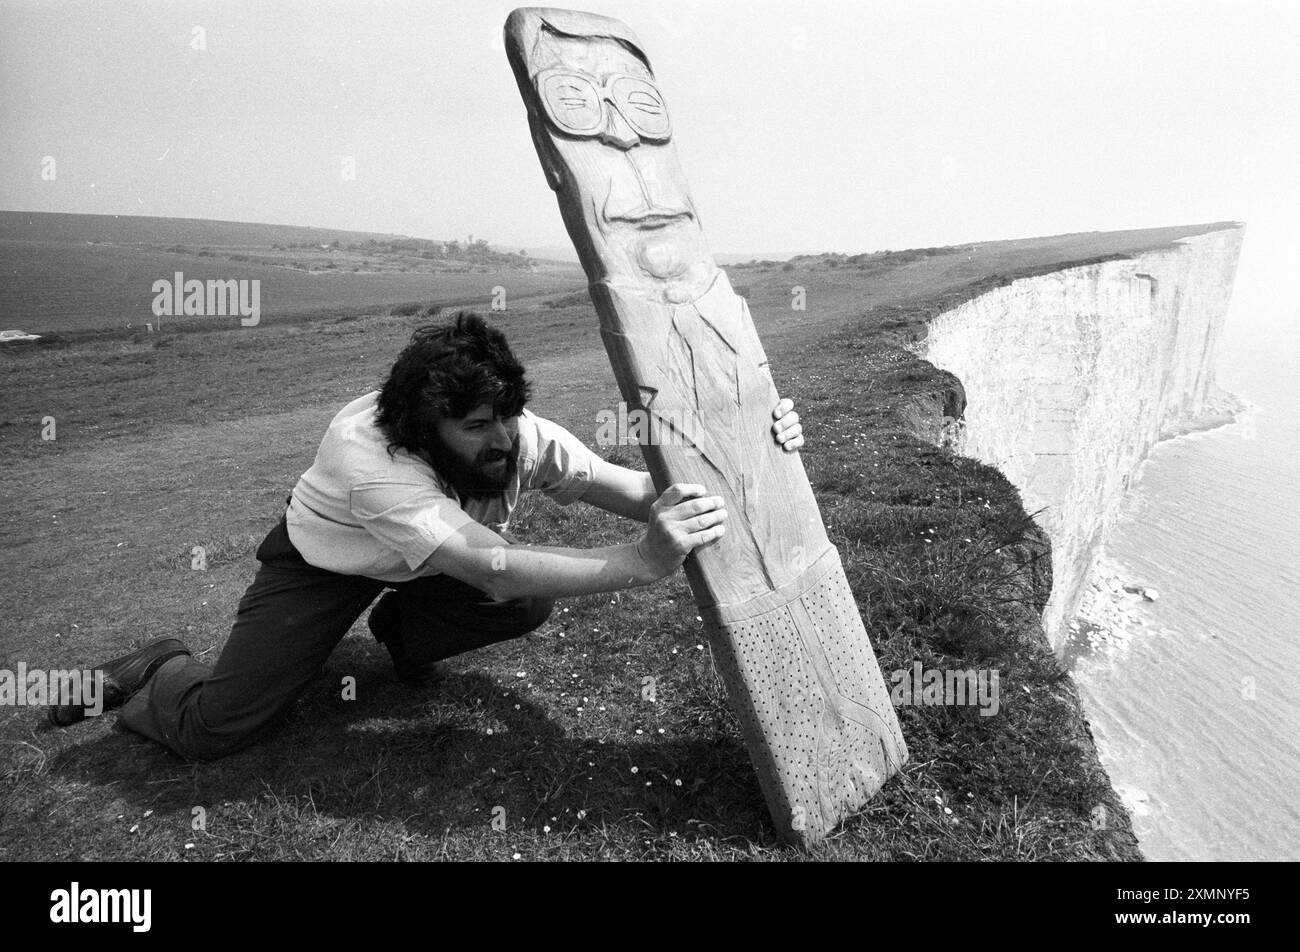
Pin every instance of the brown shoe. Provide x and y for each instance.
(123, 677)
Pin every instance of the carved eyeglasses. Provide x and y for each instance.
(575, 102)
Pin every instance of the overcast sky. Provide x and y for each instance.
(805, 126)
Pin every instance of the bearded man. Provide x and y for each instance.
(409, 498)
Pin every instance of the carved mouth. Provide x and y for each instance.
(652, 217)
(642, 218)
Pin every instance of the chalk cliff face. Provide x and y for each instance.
(1072, 376)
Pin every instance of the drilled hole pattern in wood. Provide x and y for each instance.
(817, 719)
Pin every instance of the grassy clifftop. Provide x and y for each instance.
(174, 440)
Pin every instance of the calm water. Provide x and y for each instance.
(1194, 701)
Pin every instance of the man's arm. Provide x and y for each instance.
(681, 520)
(622, 491)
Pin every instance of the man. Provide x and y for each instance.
(411, 490)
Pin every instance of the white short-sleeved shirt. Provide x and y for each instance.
(359, 511)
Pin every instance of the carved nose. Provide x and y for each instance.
(617, 132)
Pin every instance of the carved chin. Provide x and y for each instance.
(661, 257)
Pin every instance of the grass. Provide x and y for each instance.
(182, 440)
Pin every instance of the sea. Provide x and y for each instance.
(1193, 688)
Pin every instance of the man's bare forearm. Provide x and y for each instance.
(519, 571)
(681, 519)
(625, 492)
(648, 496)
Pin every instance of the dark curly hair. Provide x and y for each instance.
(446, 371)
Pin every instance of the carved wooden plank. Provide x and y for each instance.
(787, 636)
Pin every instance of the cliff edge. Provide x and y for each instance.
(972, 426)
(1071, 377)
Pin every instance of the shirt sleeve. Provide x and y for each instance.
(564, 467)
(412, 518)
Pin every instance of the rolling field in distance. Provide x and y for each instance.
(79, 272)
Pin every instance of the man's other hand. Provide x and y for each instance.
(787, 429)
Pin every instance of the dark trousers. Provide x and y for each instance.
(289, 620)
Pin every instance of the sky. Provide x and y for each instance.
(802, 127)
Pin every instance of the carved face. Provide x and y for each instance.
(604, 132)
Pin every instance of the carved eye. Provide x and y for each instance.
(646, 103)
(572, 103)
(641, 104)
(572, 97)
